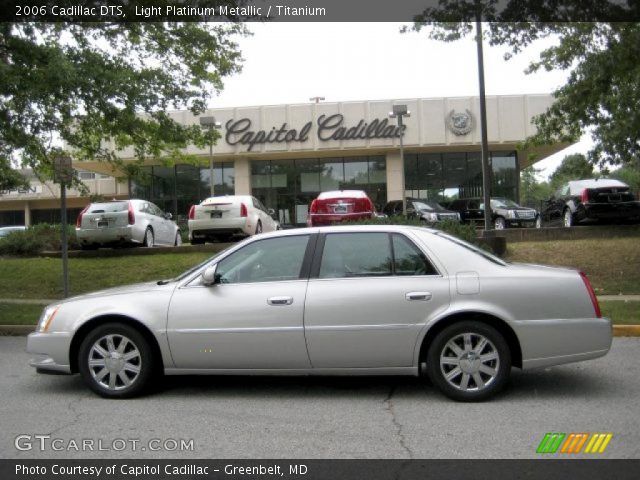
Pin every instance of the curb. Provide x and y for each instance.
(23, 330)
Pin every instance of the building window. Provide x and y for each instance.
(11, 217)
(444, 177)
(289, 186)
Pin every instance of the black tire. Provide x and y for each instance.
(259, 228)
(197, 241)
(145, 361)
(178, 240)
(473, 392)
(149, 239)
(567, 218)
(90, 246)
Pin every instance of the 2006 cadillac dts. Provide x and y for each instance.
(331, 301)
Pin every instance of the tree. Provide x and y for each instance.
(573, 167)
(629, 174)
(602, 93)
(97, 88)
(532, 192)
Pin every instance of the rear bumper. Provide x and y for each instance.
(108, 235)
(318, 219)
(610, 211)
(49, 352)
(554, 342)
(208, 227)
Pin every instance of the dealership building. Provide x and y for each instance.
(285, 155)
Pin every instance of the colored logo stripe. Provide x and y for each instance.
(550, 442)
(574, 442)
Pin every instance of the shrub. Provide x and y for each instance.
(36, 239)
(468, 233)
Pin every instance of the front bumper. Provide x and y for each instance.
(554, 342)
(521, 222)
(49, 352)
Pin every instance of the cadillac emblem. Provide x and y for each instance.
(460, 123)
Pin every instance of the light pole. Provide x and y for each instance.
(486, 170)
(210, 123)
(398, 112)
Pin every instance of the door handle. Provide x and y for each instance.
(424, 296)
(277, 301)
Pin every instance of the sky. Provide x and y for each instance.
(292, 62)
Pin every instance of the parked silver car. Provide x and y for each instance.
(126, 221)
(353, 300)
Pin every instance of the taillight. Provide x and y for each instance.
(592, 294)
(584, 197)
(314, 206)
(243, 210)
(192, 212)
(132, 217)
(79, 219)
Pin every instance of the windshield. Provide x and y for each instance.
(473, 248)
(428, 206)
(503, 203)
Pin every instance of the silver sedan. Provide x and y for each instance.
(362, 300)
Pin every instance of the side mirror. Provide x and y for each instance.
(271, 212)
(411, 210)
(209, 276)
(168, 216)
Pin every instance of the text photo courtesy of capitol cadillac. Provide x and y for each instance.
(256, 338)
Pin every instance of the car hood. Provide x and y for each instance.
(124, 289)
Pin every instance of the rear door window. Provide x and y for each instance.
(409, 259)
(356, 255)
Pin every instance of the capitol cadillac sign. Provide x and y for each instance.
(332, 127)
(329, 127)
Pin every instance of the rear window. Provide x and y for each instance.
(108, 207)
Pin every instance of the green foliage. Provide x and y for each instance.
(36, 239)
(468, 233)
(101, 87)
(602, 93)
(629, 174)
(532, 192)
(573, 167)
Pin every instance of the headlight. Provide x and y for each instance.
(431, 217)
(46, 318)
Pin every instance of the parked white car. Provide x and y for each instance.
(220, 218)
(126, 221)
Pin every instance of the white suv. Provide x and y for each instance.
(220, 218)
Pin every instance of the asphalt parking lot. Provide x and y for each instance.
(291, 417)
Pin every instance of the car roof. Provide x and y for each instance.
(345, 229)
(595, 183)
(342, 193)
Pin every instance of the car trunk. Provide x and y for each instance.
(106, 215)
(221, 209)
(606, 195)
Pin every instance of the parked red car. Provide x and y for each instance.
(339, 206)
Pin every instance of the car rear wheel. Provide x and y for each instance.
(116, 361)
(500, 224)
(149, 240)
(469, 361)
(567, 218)
(259, 228)
(538, 221)
(178, 240)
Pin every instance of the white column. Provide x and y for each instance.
(242, 172)
(394, 176)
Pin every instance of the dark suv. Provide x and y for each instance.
(591, 200)
(427, 211)
(504, 212)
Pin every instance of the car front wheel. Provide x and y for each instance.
(500, 224)
(116, 361)
(469, 361)
(568, 218)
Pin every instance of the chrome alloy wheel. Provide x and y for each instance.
(114, 362)
(469, 362)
